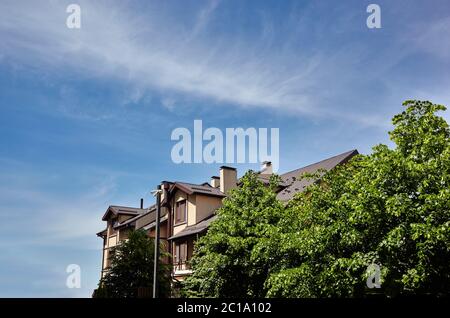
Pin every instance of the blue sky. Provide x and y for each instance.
(86, 115)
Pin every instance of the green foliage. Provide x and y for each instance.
(132, 270)
(234, 258)
(391, 208)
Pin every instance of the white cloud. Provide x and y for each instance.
(203, 18)
(434, 38)
(150, 49)
(145, 50)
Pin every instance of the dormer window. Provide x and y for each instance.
(180, 212)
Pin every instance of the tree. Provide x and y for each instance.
(233, 258)
(391, 208)
(132, 269)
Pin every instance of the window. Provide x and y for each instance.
(180, 252)
(180, 212)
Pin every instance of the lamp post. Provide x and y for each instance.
(156, 193)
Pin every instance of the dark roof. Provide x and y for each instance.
(228, 167)
(194, 229)
(294, 184)
(132, 220)
(102, 233)
(265, 178)
(152, 224)
(126, 210)
(290, 185)
(191, 188)
(152, 216)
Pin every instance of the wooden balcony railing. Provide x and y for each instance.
(181, 266)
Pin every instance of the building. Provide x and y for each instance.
(188, 209)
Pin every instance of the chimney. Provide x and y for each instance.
(228, 178)
(142, 203)
(215, 181)
(266, 167)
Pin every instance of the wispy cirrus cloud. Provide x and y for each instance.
(153, 51)
(78, 128)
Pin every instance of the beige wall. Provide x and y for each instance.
(191, 210)
(215, 182)
(199, 207)
(206, 205)
(162, 230)
(105, 256)
(112, 241)
(178, 228)
(228, 179)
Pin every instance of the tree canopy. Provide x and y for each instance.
(231, 259)
(390, 208)
(131, 270)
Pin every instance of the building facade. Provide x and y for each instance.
(188, 209)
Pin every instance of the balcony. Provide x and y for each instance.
(181, 268)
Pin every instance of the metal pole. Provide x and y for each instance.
(156, 261)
